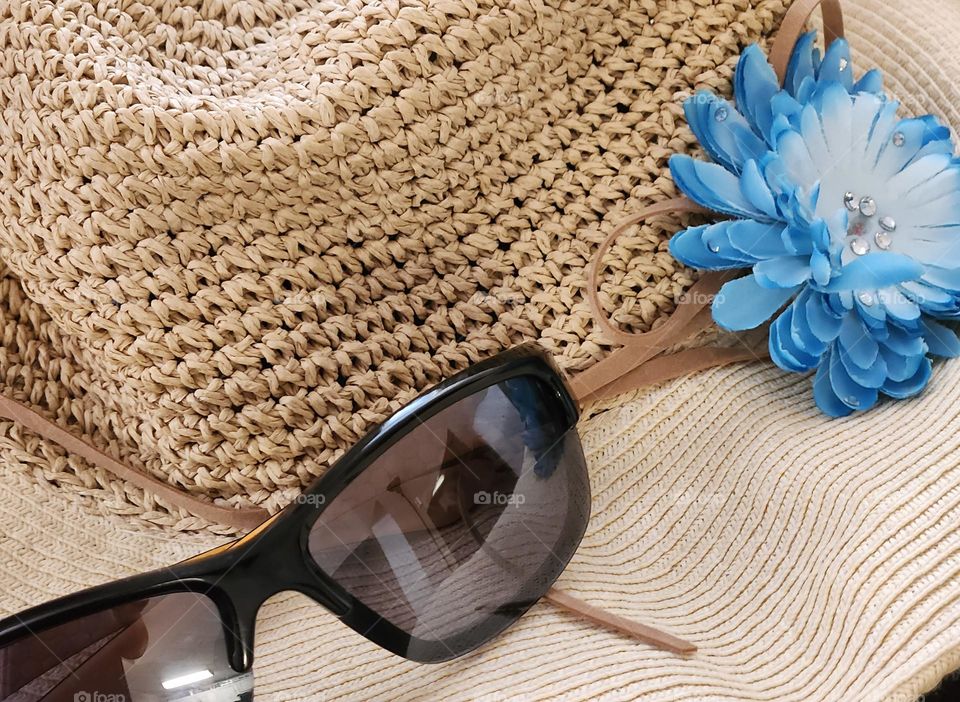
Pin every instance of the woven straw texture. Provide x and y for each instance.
(249, 231)
(809, 559)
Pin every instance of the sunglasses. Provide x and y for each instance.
(429, 537)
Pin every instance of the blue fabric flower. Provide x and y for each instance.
(848, 216)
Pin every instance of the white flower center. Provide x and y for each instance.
(853, 162)
(865, 217)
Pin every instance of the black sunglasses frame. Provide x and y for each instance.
(240, 576)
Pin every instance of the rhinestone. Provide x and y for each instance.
(851, 401)
(899, 139)
(859, 247)
(714, 247)
(865, 299)
(843, 64)
(850, 200)
(857, 229)
(888, 223)
(868, 206)
(722, 114)
(883, 240)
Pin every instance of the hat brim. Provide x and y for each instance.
(804, 556)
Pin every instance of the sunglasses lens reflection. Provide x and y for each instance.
(459, 527)
(165, 648)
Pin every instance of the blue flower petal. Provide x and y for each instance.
(794, 160)
(941, 340)
(850, 392)
(807, 90)
(882, 129)
(898, 307)
(934, 247)
(800, 332)
(868, 110)
(857, 342)
(893, 157)
(899, 367)
(874, 317)
(836, 64)
(938, 187)
(837, 118)
(903, 342)
(945, 278)
(754, 84)
(784, 272)
(935, 130)
(827, 400)
(938, 146)
(870, 82)
(712, 186)
(688, 248)
(785, 105)
(801, 65)
(824, 324)
(820, 268)
(927, 297)
(781, 125)
(908, 388)
(711, 246)
(875, 270)
(919, 172)
(872, 377)
(812, 131)
(743, 304)
(724, 133)
(755, 189)
(759, 240)
(784, 351)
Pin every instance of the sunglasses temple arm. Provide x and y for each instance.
(631, 628)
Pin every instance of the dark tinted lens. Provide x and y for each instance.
(170, 647)
(461, 525)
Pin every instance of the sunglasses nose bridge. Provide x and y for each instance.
(241, 629)
(279, 561)
(241, 632)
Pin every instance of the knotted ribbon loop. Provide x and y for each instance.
(640, 361)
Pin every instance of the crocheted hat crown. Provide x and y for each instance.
(248, 232)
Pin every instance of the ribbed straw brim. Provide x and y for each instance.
(809, 559)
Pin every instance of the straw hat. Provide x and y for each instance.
(440, 174)
(808, 558)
